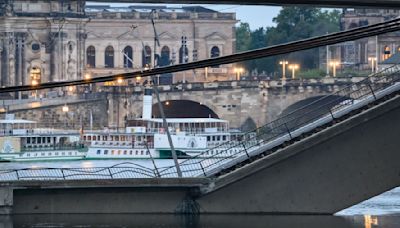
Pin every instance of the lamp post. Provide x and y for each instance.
(88, 77)
(119, 82)
(65, 110)
(283, 63)
(293, 67)
(238, 72)
(334, 64)
(373, 61)
(34, 84)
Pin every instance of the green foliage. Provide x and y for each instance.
(313, 73)
(292, 23)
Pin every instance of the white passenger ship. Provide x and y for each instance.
(21, 140)
(145, 137)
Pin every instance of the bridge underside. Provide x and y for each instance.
(331, 170)
(311, 3)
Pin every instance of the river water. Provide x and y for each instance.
(382, 211)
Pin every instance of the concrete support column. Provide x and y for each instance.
(6, 200)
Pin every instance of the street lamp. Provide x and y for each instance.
(65, 110)
(238, 72)
(34, 84)
(373, 61)
(293, 67)
(283, 63)
(334, 64)
(88, 77)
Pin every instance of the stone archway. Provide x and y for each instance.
(310, 108)
(184, 109)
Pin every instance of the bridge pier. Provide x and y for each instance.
(6, 200)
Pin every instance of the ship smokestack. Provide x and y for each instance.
(147, 103)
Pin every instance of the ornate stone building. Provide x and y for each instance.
(42, 41)
(359, 54)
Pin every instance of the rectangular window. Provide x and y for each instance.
(28, 140)
(98, 151)
(39, 140)
(105, 151)
(224, 137)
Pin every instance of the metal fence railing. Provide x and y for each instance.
(119, 171)
(226, 155)
(294, 124)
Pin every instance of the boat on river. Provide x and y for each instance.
(22, 140)
(146, 138)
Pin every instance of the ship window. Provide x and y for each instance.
(70, 153)
(28, 140)
(136, 152)
(224, 137)
(218, 138)
(105, 151)
(43, 154)
(48, 139)
(63, 153)
(116, 138)
(56, 153)
(130, 152)
(28, 155)
(89, 138)
(39, 140)
(208, 138)
(98, 151)
(119, 152)
(213, 138)
(84, 138)
(125, 152)
(98, 138)
(148, 153)
(112, 152)
(49, 154)
(141, 152)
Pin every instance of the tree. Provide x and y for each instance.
(292, 23)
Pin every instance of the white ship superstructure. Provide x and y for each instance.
(21, 140)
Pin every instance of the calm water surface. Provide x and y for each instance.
(379, 212)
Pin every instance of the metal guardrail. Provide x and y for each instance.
(226, 155)
(294, 124)
(119, 171)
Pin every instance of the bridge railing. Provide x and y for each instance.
(294, 124)
(119, 171)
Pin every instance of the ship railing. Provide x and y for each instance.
(120, 171)
(266, 139)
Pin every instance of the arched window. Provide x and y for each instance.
(146, 56)
(109, 57)
(165, 59)
(91, 57)
(128, 57)
(183, 54)
(386, 52)
(215, 52)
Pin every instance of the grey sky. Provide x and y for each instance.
(256, 16)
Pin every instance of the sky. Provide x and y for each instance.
(256, 16)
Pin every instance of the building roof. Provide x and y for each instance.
(394, 59)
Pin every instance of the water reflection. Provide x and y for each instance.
(209, 221)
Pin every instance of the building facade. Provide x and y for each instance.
(44, 41)
(366, 53)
